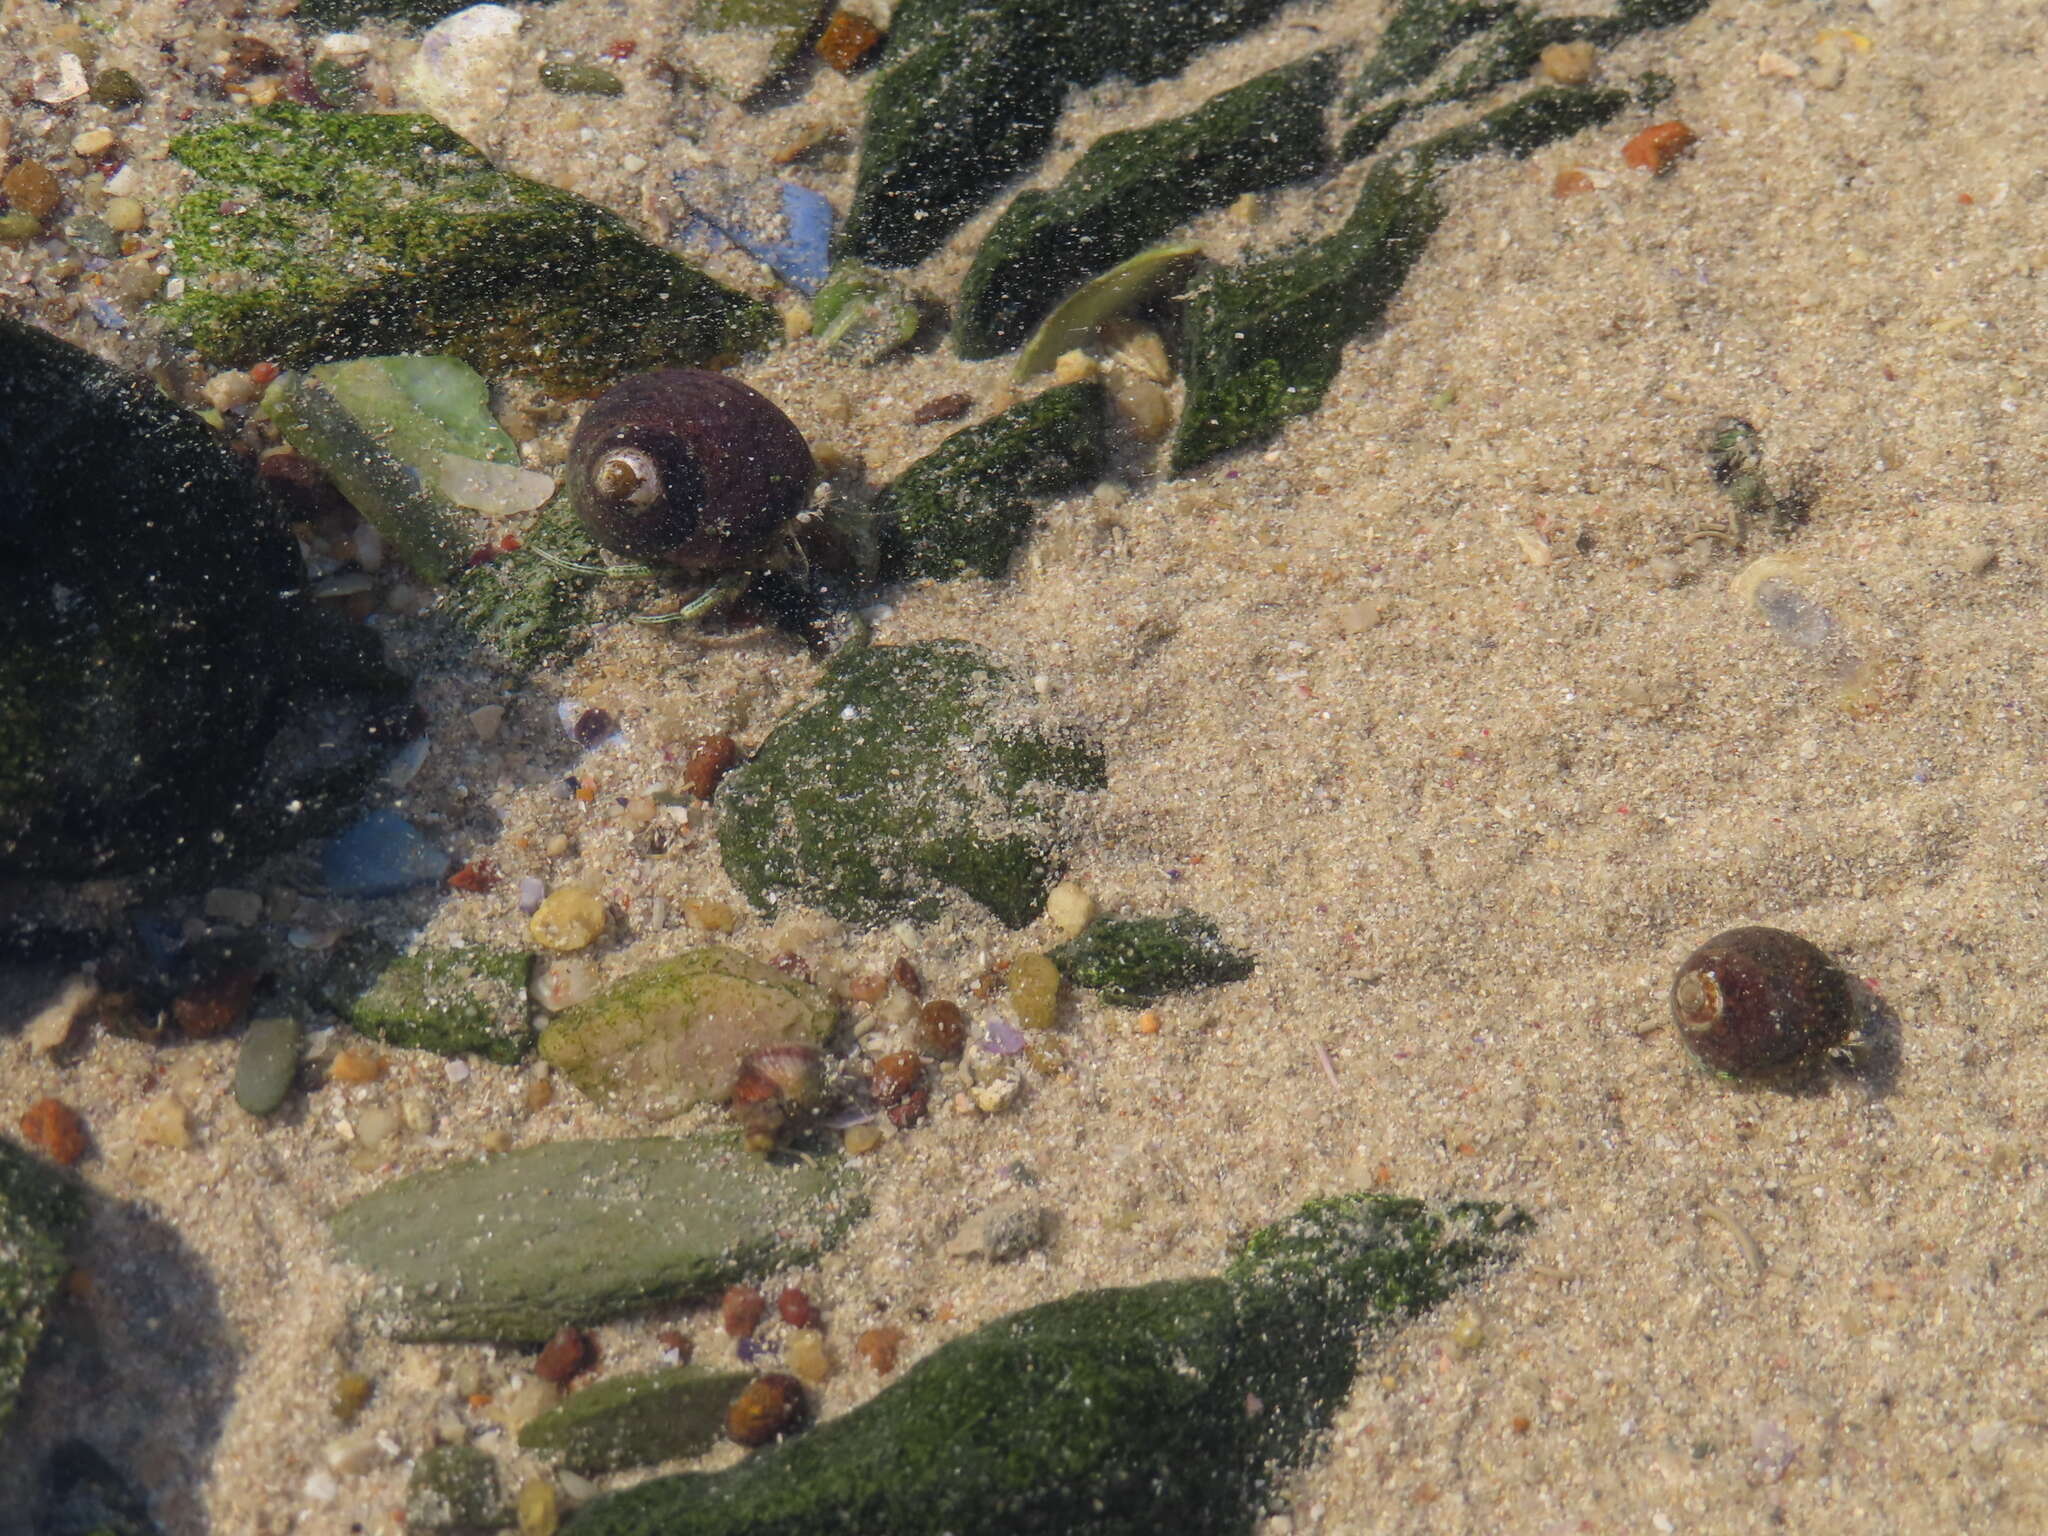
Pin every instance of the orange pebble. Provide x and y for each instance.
(878, 1347)
(52, 1126)
(1571, 183)
(1658, 146)
(357, 1067)
(1148, 1022)
(847, 39)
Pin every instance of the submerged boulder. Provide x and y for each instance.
(169, 700)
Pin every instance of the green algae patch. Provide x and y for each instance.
(1120, 1412)
(965, 507)
(968, 93)
(637, 1419)
(453, 1000)
(316, 235)
(1134, 187)
(1131, 961)
(917, 770)
(509, 1249)
(454, 1490)
(532, 605)
(38, 1207)
(671, 1034)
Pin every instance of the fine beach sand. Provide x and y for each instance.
(1431, 705)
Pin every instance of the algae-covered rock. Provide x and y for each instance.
(530, 605)
(512, 1248)
(1130, 961)
(1133, 187)
(1118, 1412)
(863, 315)
(671, 1034)
(917, 769)
(337, 15)
(85, 1494)
(318, 235)
(964, 506)
(454, 1491)
(169, 702)
(636, 1419)
(969, 90)
(451, 1000)
(38, 1207)
(1262, 341)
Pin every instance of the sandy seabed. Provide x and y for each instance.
(1433, 706)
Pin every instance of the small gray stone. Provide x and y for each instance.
(1007, 1230)
(269, 1061)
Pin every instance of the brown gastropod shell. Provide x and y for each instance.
(1755, 1002)
(688, 468)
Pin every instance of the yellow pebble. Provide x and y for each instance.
(1034, 991)
(1567, 63)
(860, 1140)
(808, 1356)
(710, 916)
(165, 1122)
(540, 1512)
(94, 141)
(571, 918)
(1075, 367)
(1069, 909)
(354, 1066)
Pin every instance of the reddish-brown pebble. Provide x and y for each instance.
(942, 1028)
(904, 974)
(677, 1343)
(564, 1356)
(53, 1127)
(766, 1409)
(210, 1008)
(795, 1308)
(909, 1109)
(848, 38)
(1657, 147)
(895, 1077)
(31, 189)
(742, 1310)
(942, 408)
(878, 1347)
(709, 761)
(866, 989)
(1571, 183)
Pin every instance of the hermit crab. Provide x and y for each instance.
(694, 473)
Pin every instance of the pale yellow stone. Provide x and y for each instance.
(1075, 367)
(540, 1510)
(571, 918)
(796, 321)
(808, 1356)
(164, 1122)
(1142, 405)
(709, 916)
(1069, 909)
(54, 1025)
(377, 1127)
(94, 141)
(860, 1140)
(1567, 63)
(124, 215)
(487, 722)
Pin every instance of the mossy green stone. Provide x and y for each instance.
(671, 1034)
(451, 1000)
(1113, 1412)
(969, 91)
(1131, 961)
(454, 1490)
(38, 1207)
(511, 1248)
(1130, 189)
(316, 235)
(529, 608)
(637, 1419)
(917, 769)
(964, 506)
(266, 1064)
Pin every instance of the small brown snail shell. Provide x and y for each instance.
(689, 468)
(1752, 1002)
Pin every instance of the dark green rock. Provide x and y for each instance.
(340, 15)
(1133, 187)
(511, 1248)
(1131, 961)
(1262, 341)
(964, 506)
(315, 235)
(38, 1207)
(637, 1419)
(968, 92)
(578, 77)
(454, 1489)
(266, 1064)
(451, 1000)
(85, 1494)
(917, 769)
(169, 702)
(1116, 1412)
(116, 90)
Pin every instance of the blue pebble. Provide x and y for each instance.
(381, 855)
(784, 226)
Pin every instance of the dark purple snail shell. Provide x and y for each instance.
(687, 468)
(1753, 1002)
